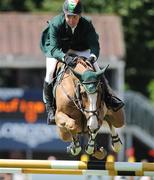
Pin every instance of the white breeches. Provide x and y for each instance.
(50, 68)
(52, 62)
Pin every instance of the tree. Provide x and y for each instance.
(139, 35)
(137, 17)
(31, 5)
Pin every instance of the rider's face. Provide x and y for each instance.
(72, 20)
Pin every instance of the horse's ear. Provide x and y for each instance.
(99, 73)
(78, 75)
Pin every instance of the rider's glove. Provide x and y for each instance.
(69, 60)
(92, 59)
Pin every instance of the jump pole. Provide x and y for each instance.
(74, 165)
(75, 172)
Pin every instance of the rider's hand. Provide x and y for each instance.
(69, 60)
(92, 59)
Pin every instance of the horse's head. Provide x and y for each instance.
(87, 76)
(90, 82)
(90, 79)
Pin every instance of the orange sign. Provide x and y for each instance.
(30, 109)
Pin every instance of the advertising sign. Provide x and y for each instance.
(21, 104)
(23, 122)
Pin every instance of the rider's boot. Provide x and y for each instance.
(111, 101)
(49, 102)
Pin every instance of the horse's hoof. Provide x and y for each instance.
(116, 143)
(100, 153)
(74, 150)
(90, 149)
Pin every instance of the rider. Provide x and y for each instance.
(67, 33)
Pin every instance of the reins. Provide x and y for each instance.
(77, 99)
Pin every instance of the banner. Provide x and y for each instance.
(23, 122)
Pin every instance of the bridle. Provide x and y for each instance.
(77, 100)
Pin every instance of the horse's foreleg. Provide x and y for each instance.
(93, 149)
(90, 148)
(74, 148)
(116, 141)
(93, 127)
(68, 130)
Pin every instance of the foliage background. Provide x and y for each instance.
(137, 17)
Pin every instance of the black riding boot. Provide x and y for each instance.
(111, 101)
(49, 102)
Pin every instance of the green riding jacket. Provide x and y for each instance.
(57, 38)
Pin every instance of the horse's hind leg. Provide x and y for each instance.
(115, 120)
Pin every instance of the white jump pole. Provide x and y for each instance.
(75, 172)
(76, 167)
(91, 165)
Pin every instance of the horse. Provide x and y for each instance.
(81, 109)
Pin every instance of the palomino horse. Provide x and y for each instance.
(81, 108)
